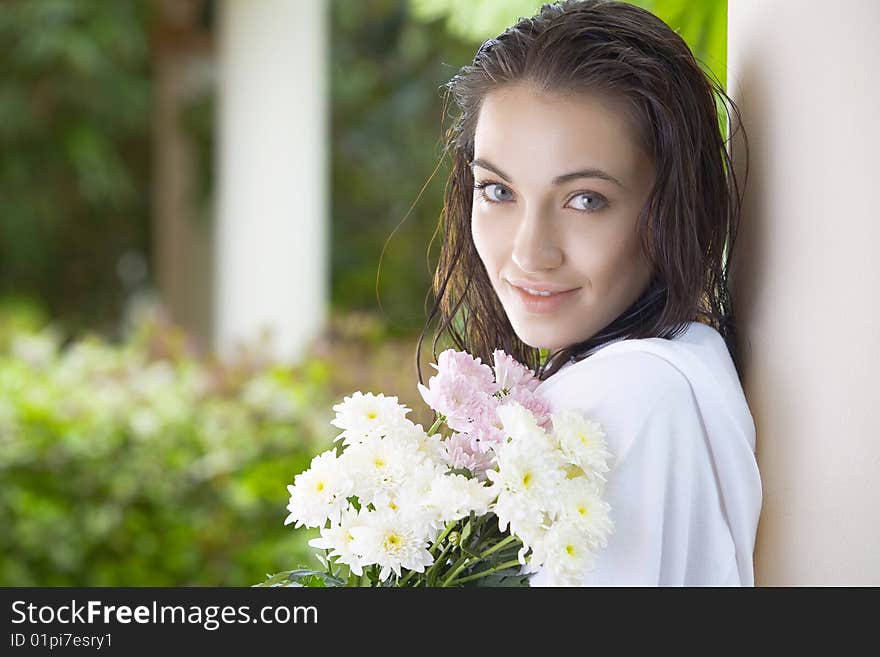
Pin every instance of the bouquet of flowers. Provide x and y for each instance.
(514, 487)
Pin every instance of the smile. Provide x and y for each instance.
(536, 301)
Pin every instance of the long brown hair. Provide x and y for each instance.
(688, 224)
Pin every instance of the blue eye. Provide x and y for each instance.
(597, 204)
(483, 186)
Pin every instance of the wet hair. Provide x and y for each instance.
(687, 227)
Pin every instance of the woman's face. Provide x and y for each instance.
(535, 225)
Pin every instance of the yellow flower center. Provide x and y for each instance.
(572, 471)
(319, 486)
(527, 479)
(392, 542)
(372, 415)
(582, 510)
(392, 506)
(378, 462)
(570, 550)
(584, 439)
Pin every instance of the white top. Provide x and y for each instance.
(684, 486)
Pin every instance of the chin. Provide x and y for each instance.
(540, 341)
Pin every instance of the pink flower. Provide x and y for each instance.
(462, 364)
(535, 403)
(455, 399)
(462, 452)
(487, 429)
(465, 391)
(510, 373)
(461, 387)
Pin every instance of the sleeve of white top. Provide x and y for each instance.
(669, 526)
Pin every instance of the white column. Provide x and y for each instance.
(272, 218)
(805, 76)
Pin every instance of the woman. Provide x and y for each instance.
(589, 216)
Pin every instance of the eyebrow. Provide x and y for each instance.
(589, 172)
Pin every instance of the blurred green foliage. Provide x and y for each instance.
(74, 151)
(142, 465)
(386, 72)
(145, 464)
(701, 23)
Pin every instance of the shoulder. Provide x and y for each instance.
(637, 396)
(639, 377)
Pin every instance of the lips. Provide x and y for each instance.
(543, 304)
(541, 287)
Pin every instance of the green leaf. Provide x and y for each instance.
(466, 532)
(503, 578)
(305, 577)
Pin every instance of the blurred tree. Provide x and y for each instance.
(386, 73)
(701, 23)
(474, 20)
(74, 138)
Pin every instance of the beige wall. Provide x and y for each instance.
(806, 76)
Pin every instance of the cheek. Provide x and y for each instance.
(607, 257)
(488, 240)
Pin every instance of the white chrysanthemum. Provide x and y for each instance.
(527, 480)
(582, 441)
(529, 468)
(455, 496)
(387, 538)
(427, 447)
(379, 466)
(565, 554)
(522, 513)
(363, 416)
(430, 447)
(595, 480)
(339, 539)
(319, 493)
(519, 424)
(579, 504)
(410, 500)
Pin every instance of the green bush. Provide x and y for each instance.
(141, 464)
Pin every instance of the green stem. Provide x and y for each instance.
(436, 425)
(465, 561)
(448, 528)
(436, 563)
(500, 544)
(328, 562)
(501, 566)
(403, 580)
(456, 569)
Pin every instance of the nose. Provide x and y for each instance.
(536, 244)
